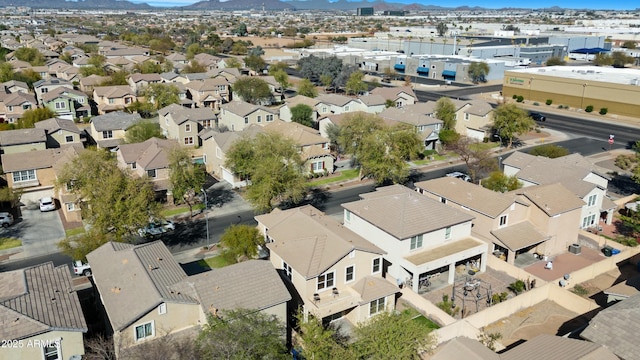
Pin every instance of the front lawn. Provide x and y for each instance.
(215, 262)
(8, 243)
(181, 210)
(344, 175)
(74, 231)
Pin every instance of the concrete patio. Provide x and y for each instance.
(565, 264)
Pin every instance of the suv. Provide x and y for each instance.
(6, 219)
(459, 175)
(80, 268)
(537, 116)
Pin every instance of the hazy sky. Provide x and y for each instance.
(491, 4)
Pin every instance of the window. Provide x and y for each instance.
(503, 220)
(24, 175)
(44, 90)
(324, 109)
(188, 140)
(246, 119)
(347, 215)
(134, 165)
(206, 123)
(10, 108)
(81, 100)
(592, 200)
(325, 281)
(128, 100)
(144, 331)
(162, 308)
(108, 134)
(376, 266)
(68, 138)
(269, 118)
(447, 233)
(61, 105)
(317, 166)
(218, 152)
(51, 352)
(70, 206)
(26, 106)
(151, 173)
(466, 116)
(166, 121)
(346, 108)
(377, 306)
(416, 242)
(588, 221)
(443, 200)
(111, 101)
(349, 273)
(287, 269)
(187, 127)
(259, 118)
(398, 104)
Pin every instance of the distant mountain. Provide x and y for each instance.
(352, 5)
(80, 4)
(240, 5)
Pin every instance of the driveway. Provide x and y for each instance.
(40, 232)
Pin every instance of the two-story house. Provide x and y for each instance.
(585, 179)
(139, 81)
(67, 103)
(237, 115)
(42, 316)
(88, 83)
(399, 95)
(149, 158)
(13, 105)
(42, 87)
(285, 110)
(61, 132)
(183, 124)
(209, 93)
(423, 238)
(336, 274)
(473, 118)
(329, 104)
(22, 140)
(113, 98)
(422, 117)
(109, 130)
(163, 300)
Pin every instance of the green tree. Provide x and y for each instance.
(273, 165)
(326, 80)
(302, 114)
(446, 111)
(161, 95)
(621, 59)
(149, 67)
(241, 30)
(477, 157)
(282, 78)
(629, 44)
(193, 67)
(32, 116)
(549, 150)
(193, 50)
(441, 28)
(31, 55)
(478, 71)
(448, 137)
(510, 120)
(242, 334)
(28, 76)
(602, 59)
(555, 61)
(116, 78)
(239, 48)
(306, 88)
(241, 242)
(255, 63)
(498, 181)
(233, 63)
(6, 72)
(279, 66)
(320, 342)
(355, 85)
(252, 89)
(186, 178)
(389, 103)
(142, 131)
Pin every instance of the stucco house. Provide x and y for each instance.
(183, 124)
(336, 274)
(164, 300)
(139, 81)
(41, 314)
(61, 132)
(42, 87)
(109, 130)
(422, 117)
(423, 238)
(285, 110)
(337, 104)
(13, 105)
(22, 140)
(149, 158)
(237, 115)
(113, 98)
(67, 103)
(209, 93)
(473, 118)
(400, 95)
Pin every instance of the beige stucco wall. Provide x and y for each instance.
(563, 230)
(236, 123)
(71, 343)
(14, 149)
(60, 137)
(46, 178)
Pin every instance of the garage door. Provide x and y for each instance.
(475, 134)
(227, 176)
(32, 197)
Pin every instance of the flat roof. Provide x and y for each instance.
(592, 73)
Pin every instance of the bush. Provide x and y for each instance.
(560, 107)
(536, 103)
(549, 102)
(485, 139)
(498, 298)
(517, 287)
(603, 111)
(580, 290)
(625, 162)
(514, 96)
(589, 108)
(520, 98)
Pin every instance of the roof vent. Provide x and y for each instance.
(115, 290)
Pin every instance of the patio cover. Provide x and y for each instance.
(519, 236)
(432, 254)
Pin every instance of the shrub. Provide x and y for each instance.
(625, 162)
(589, 108)
(498, 298)
(560, 107)
(517, 287)
(580, 290)
(603, 111)
(514, 96)
(549, 102)
(536, 104)
(448, 306)
(520, 98)
(485, 139)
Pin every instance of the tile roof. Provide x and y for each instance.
(208, 84)
(112, 92)
(62, 92)
(179, 114)
(253, 284)
(335, 99)
(309, 241)
(243, 109)
(552, 347)
(149, 154)
(553, 199)
(392, 92)
(22, 136)
(464, 348)
(137, 77)
(371, 288)
(300, 134)
(54, 124)
(372, 100)
(301, 99)
(474, 197)
(17, 98)
(117, 120)
(416, 114)
(42, 299)
(32, 160)
(404, 213)
(133, 280)
(520, 235)
(441, 251)
(226, 139)
(543, 170)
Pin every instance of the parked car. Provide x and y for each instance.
(6, 219)
(537, 116)
(80, 268)
(459, 175)
(47, 204)
(157, 228)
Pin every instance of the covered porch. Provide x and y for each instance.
(521, 238)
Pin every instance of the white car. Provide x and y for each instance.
(47, 204)
(157, 228)
(459, 175)
(80, 268)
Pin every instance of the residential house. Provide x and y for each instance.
(314, 149)
(88, 83)
(139, 81)
(67, 103)
(231, 74)
(339, 119)
(61, 132)
(177, 58)
(473, 118)
(22, 140)
(42, 87)
(13, 86)
(109, 130)
(336, 274)
(237, 115)
(128, 53)
(113, 98)
(400, 95)
(209, 61)
(373, 104)
(13, 105)
(289, 103)
(149, 158)
(216, 145)
(61, 70)
(423, 238)
(41, 314)
(70, 203)
(585, 179)
(209, 93)
(183, 124)
(164, 300)
(422, 117)
(329, 104)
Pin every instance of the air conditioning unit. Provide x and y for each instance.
(575, 249)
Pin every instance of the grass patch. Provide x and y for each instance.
(344, 175)
(215, 262)
(436, 157)
(421, 319)
(580, 290)
(9, 243)
(75, 231)
(180, 210)
(483, 146)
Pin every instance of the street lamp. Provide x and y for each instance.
(206, 215)
(500, 138)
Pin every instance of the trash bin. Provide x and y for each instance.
(615, 251)
(607, 251)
